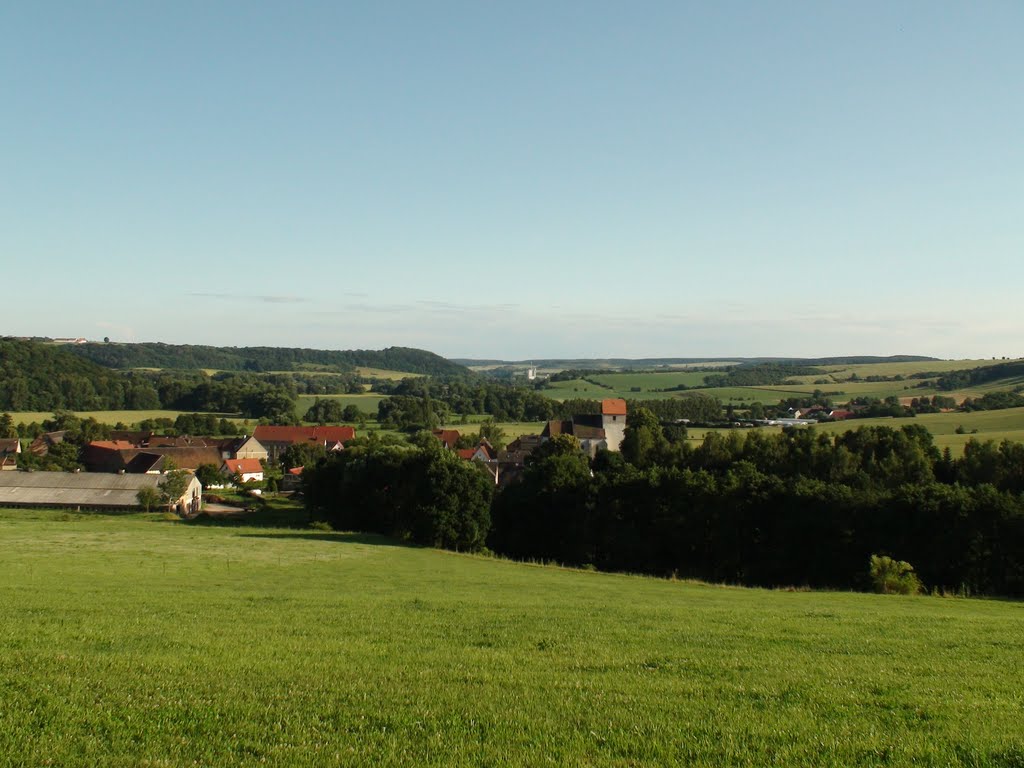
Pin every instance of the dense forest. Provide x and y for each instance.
(792, 509)
(46, 377)
(194, 357)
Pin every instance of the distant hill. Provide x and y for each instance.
(655, 362)
(41, 377)
(1010, 374)
(193, 357)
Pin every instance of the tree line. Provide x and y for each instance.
(795, 508)
(261, 359)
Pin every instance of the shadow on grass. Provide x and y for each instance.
(372, 539)
(260, 517)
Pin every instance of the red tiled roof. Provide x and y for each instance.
(466, 453)
(295, 471)
(243, 466)
(112, 445)
(447, 436)
(320, 435)
(613, 406)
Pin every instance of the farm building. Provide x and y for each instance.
(245, 469)
(594, 431)
(245, 447)
(10, 448)
(277, 440)
(448, 437)
(122, 456)
(87, 490)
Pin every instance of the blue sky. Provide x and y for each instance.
(518, 180)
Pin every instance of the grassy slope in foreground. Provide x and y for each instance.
(131, 641)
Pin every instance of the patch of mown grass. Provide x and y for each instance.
(127, 641)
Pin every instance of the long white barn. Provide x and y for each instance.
(86, 490)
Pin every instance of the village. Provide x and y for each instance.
(117, 470)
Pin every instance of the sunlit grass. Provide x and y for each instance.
(132, 641)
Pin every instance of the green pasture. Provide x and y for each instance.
(512, 429)
(577, 388)
(367, 402)
(625, 382)
(130, 641)
(990, 424)
(766, 395)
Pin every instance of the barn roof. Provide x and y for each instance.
(61, 489)
(320, 435)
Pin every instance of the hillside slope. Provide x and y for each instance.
(192, 357)
(134, 642)
(37, 377)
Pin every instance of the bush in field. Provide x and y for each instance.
(893, 577)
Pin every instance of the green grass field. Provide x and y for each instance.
(367, 402)
(625, 382)
(512, 429)
(130, 641)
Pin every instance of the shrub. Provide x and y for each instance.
(893, 577)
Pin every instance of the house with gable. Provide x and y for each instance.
(448, 437)
(244, 469)
(485, 454)
(244, 447)
(42, 444)
(10, 449)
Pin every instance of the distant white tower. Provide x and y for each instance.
(531, 373)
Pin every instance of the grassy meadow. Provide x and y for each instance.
(133, 641)
(512, 429)
(366, 402)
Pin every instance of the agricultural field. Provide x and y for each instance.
(381, 373)
(905, 369)
(114, 417)
(651, 385)
(132, 640)
(1006, 424)
(646, 382)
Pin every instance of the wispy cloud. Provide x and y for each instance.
(265, 298)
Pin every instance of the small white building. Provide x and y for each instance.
(244, 469)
